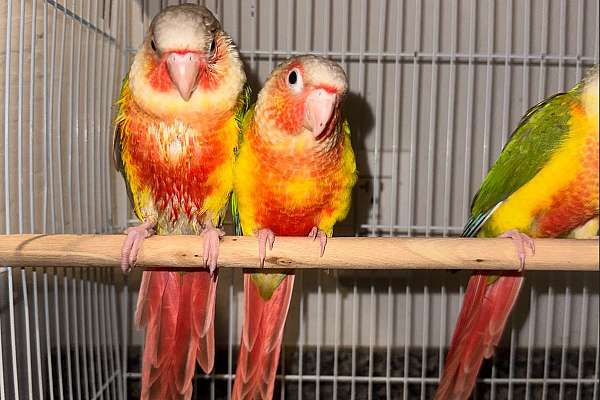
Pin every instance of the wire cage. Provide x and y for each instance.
(435, 89)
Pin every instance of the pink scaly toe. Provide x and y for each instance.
(316, 232)
(520, 240)
(264, 236)
(210, 247)
(133, 243)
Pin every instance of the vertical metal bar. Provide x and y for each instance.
(372, 327)
(561, 44)
(75, 334)
(27, 336)
(582, 334)
(319, 327)
(125, 326)
(443, 321)
(301, 335)
(489, 78)
(97, 337)
(376, 206)
(47, 331)
(90, 340)
(432, 120)
(107, 337)
(57, 333)
(46, 147)
(565, 341)
(532, 318)
(469, 116)
(407, 336)
(67, 320)
(78, 217)
(355, 300)
(50, 126)
(450, 127)
(507, 72)
(2, 373)
(309, 26)
(20, 117)
(526, 51)
(58, 130)
(414, 120)
(511, 358)
(230, 328)
(424, 339)
(13, 339)
(543, 50)
(596, 59)
(115, 338)
(7, 87)
(388, 344)
(84, 345)
(32, 80)
(70, 114)
(597, 361)
(580, 25)
(549, 324)
(86, 225)
(36, 327)
(336, 334)
(396, 111)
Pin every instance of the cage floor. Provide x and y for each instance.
(322, 381)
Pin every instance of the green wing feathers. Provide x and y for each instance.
(539, 134)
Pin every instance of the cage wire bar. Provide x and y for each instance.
(58, 328)
(435, 89)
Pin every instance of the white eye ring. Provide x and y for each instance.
(294, 80)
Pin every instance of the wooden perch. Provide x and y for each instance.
(342, 253)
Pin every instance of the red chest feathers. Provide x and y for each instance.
(175, 162)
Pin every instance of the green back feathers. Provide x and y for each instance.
(539, 134)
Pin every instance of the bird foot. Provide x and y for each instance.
(133, 243)
(520, 240)
(210, 247)
(265, 236)
(317, 233)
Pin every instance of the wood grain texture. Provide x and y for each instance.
(182, 252)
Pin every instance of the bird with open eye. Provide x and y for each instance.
(176, 131)
(293, 177)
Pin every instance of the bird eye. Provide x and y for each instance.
(294, 80)
(153, 45)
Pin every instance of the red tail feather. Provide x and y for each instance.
(484, 313)
(177, 310)
(262, 334)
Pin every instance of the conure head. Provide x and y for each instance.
(303, 95)
(186, 64)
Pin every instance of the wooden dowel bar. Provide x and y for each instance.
(181, 252)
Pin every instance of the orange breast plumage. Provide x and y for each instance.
(175, 162)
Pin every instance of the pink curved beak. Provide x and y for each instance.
(183, 69)
(319, 109)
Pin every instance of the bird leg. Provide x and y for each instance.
(317, 233)
(520, 240)
(133, 243)
(264, 236)
(210, 251)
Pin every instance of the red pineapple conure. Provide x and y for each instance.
(176, 131)
(293, 177)
(544, 184)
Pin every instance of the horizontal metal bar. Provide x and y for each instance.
(81, 20)
(182, 252)
(547, 59)
(394, 379)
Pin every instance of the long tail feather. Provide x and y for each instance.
(177, 310)
(484, 313)
(262, 335)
